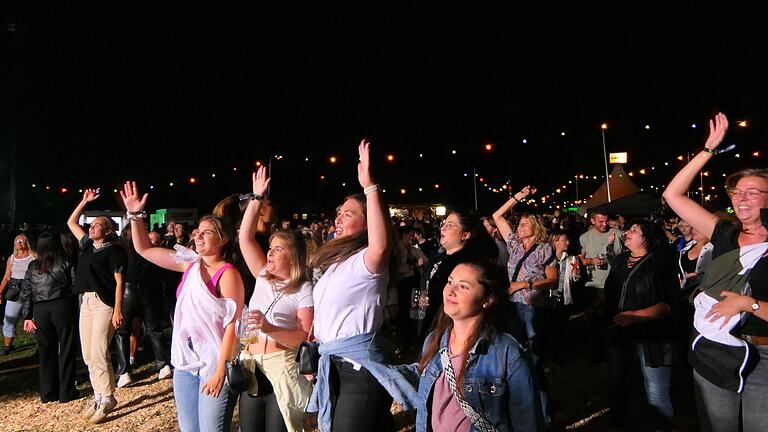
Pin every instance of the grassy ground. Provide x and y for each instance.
(578, 391)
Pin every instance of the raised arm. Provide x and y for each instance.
(254, 256)
(676, 192)
(134, 205)
(88, 196)
(498, 215)
(376, 257)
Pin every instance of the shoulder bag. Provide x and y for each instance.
(236, 378)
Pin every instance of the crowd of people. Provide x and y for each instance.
(455, 320)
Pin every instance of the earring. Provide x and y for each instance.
(485, 305)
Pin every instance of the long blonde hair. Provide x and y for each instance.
(26, 239)
(296, 246)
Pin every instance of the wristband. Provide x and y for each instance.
(718, 151)
(134, 216)
(370, 189)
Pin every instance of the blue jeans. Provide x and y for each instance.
(12, 310)
(198, 412)
(622, 359)
(533, 319)
(719, 408)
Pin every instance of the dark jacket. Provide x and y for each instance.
(51, 285)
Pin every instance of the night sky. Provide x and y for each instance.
(99, 93)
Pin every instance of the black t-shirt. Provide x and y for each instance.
(96, 269)
(688, 265)
(725, 237)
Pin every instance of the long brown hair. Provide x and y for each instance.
(339, 249)
(224, 230)
(494, 280)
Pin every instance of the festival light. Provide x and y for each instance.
(743, 123)
(192, 180)
(489, 147)
(390, 157)
(332, 159)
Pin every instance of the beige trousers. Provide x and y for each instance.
(292, 390)
(96, 331)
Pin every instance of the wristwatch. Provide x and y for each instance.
(530, 285)
(755, 306)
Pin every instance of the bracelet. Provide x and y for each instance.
(134, 216)
(370, 189)
(709, 150)
(257, 197)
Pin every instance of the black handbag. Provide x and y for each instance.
(13, 290)
(308, 357)
(238, 383)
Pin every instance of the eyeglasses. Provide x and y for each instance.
(21, 241)
(448, 225)
(750, 194)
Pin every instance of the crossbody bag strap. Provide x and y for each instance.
(522, 260)
(477, 418)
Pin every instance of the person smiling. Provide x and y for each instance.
(473, 375)
(99, 279)
(354, 387)
(640, 291)
(210, 298)
(282, 309)
(462, 235)
(721, 408)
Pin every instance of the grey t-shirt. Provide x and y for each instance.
(593, 243)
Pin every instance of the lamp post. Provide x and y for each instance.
(474, 183)
(603, 127)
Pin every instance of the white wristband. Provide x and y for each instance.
(370, 189)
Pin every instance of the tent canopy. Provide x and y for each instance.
(621, 186)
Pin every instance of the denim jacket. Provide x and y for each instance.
(498, 383)
(401, 381)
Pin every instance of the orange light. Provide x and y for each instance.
(756, 154)
(192, 180)
(332, 159)
(437, 186)
(258, 163)
(322, 177)
(64, 190)
(743, 123)
(489, 147)
(402, 191)
(604, 126)
(680, 157)
(390, 158)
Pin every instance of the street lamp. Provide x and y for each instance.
(603, 127)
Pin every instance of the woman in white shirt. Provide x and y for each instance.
(281, 308)
(353, 389)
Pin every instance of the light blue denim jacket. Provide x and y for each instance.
(498, 383)
(401, 381)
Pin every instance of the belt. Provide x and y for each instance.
(756, 340)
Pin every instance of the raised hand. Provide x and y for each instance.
(131, 197)
(260, 181)
(717, 128)
(528, 190)
(90, 194)
(364, 166)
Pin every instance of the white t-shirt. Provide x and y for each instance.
(283, 313)
(349, 300)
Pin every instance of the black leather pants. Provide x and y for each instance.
(146, 298)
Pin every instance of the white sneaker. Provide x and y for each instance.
(165, 372)
(124, 380)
